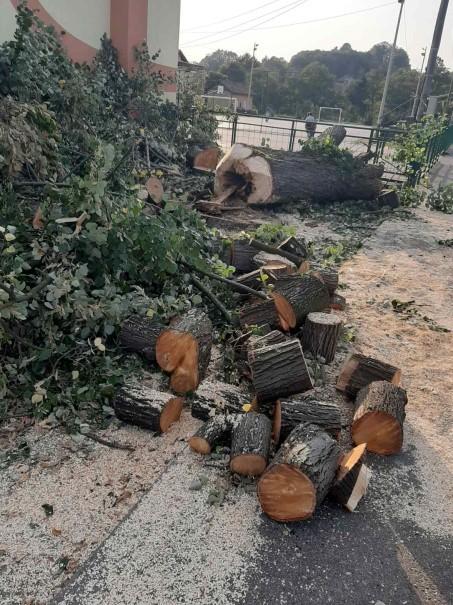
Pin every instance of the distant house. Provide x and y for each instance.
(234, 90)
(81, 24)
(191, 76)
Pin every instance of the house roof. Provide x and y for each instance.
(233, 87)
(184, 63)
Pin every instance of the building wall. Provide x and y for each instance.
(82, 23)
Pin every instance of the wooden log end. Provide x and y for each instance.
(248, 465)
(171, 413)
(286, 494)
(199, 445)
(381, 431)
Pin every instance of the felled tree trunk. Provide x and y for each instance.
(266, 176)
(214, 398)
(358, 371)
(329, 277)
(279, 371)
(296, 297)
(301, 474)
(148, 408)
(379, 417)
(335, 133)
(139, 335)
(250, 445)
(215, 431)
(321, 333)
(184, 350)
(352, 479)
(294, 411)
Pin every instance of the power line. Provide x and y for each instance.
(252, 10)
(287, 9)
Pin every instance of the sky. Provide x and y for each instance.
(207, 25)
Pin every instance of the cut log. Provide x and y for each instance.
(184, 350)
(259, 342)
(329, 277)
(266, 275)
(215, 431)
(296, 246)
(321, 333)
(250, 445)
(352, 479)
(279, 371)
(259, 245)
(299, 409)
(259, 314)
(379, 417)
(204, 159)
(358, 371)
(242, 255)
(213, 398)
(155, 189)
(338, 302)
(264, 258)
(335, 133)
(266, 176)
(390, 198)
(139, 335)
(300, 476)
(296, 297)
(148, 408)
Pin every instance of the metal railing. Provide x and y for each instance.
(289, 133)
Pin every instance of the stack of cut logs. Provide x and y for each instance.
(282, 429)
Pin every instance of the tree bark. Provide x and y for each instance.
(329, 277)
(358, 371)
(184, 350)
(148, 408)
(296, 297)
(301, 474)
(352, 479)
(297, 410)
(321, 333)
(268, 176)
(260, 342)
(279, 371)
(215, 431)
(260, 313)
(250, 445)
(296, 246)
(213, 398)
(242, 255)
(379, 417)
(139, 335)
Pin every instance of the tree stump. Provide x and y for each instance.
(321, 334)
(250, 445)
(352, 479)
(213, 432)
(139, 335)
(184, 350)
(300, 476)
(297, 410)
(214, 398)
(358, 371)
(379, 417)
(155, 189)
(148, 408)
(296, 297)
(279, 371)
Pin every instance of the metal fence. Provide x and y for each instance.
(289, 134)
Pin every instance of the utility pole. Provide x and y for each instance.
(255, 46)
(419, 84)
(390, 67)
(432, 59)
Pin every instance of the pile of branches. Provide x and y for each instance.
(79, 251)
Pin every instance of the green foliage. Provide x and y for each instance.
(272, 233)
(94, 257)
(412, 145)
(411, 197)
(326, 148)
(441, 199)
